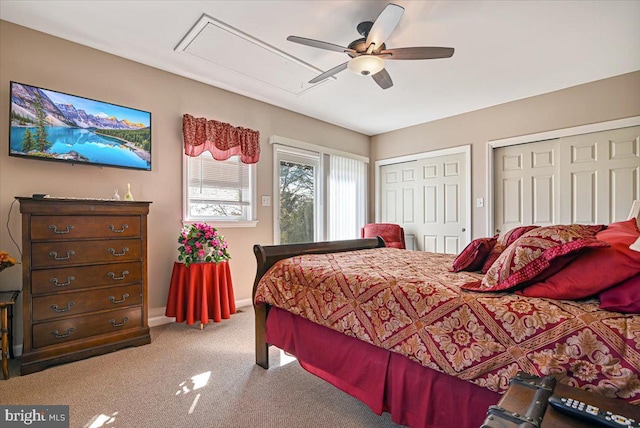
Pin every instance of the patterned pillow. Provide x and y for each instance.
(596, 269)
(504, 241)
(472, 257)
(533, 253)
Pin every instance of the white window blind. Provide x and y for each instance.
(218, 190)
(347, 197)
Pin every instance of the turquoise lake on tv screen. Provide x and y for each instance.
(96, 148)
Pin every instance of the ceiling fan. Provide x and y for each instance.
(368, 54)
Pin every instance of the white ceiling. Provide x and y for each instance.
(504, 50)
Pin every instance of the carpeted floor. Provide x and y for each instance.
(189, 377)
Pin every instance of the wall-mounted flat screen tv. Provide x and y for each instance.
(52, 125)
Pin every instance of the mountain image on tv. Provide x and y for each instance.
(53, 125)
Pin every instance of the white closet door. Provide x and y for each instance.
(398, 194)
(443, 196)
(525, 185)
(428, 199)
(588, 178)
(600, 174)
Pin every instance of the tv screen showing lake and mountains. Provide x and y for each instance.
(51, 125)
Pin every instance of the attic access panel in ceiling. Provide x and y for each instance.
(218, 43)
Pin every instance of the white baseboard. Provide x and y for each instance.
(244, 302)
(157, 317)
(159, 320)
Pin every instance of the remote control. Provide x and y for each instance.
(589, 413)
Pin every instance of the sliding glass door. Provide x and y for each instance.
(298, 203)
(319, 196)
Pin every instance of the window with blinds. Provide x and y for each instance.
(218, 190)
(347, 197)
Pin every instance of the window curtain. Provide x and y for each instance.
(220, 139)
(347, 197)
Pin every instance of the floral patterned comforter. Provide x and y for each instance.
(408, 302)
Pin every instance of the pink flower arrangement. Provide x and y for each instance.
(201, 242)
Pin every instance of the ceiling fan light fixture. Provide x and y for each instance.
(366, 65)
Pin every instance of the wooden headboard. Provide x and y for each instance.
(268, 255)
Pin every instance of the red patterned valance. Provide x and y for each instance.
(221, 139)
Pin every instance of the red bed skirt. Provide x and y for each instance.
(385, 381)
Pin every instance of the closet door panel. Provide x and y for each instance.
(602, 170)
(525, 185)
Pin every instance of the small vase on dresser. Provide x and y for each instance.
(84, 279)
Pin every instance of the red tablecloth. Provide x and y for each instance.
(203, 291)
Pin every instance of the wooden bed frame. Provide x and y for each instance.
(268, 255)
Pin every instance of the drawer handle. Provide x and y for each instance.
(55, 255)
(115, 324)
(113, 252)
(57, 309)
(113, 228)
(54, 228)
(115, 302)
(55, 282)
(117, 278)
(62, 336)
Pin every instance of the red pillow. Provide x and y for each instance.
(624, 297)
(472, 257)
(503, 242)
(595, 270)
(533, 253)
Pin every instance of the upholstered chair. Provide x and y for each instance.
(392, 234)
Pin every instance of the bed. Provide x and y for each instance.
(396, 329)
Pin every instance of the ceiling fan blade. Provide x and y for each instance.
(417, 53)
(384, 25)
(335, 70)
(320, 45)
(383, 79)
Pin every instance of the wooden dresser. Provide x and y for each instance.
(84, 271)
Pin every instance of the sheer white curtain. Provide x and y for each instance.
(347, 197)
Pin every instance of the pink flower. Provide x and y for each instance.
(196, 240)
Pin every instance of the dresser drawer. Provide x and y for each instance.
(73, 278)
(52, 254)
(70, 329)
(77, 227)
(80, 302)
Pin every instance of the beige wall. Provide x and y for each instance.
(600, 101)
(30, 57)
